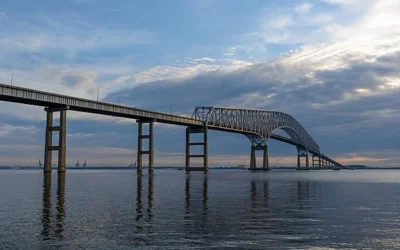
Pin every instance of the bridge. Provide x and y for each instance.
(257, 125)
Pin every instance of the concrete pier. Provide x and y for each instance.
(62, 142)
(140, 151)
(204, 143)
(316, 162)
(265, 159)
(319, 161)
(253, 163)
(48, 142)
(253, 159)
(324, 164)
(302, 154)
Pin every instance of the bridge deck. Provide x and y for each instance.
(46, 99)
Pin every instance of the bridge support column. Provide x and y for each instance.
(302, 154)
(298, 163)
(140, 151)
(204, 143)
(265, 159)
(61, 147)
(48, 142)
(324, 164)
(253, 159)
(253, 163)
(316, 162)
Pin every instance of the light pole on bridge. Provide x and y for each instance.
(12, 76)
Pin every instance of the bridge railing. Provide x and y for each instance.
(46, 99)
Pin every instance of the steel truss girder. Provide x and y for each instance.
(257, 125)
(302, 152)
(256, 140)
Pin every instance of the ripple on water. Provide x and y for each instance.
(276, 210)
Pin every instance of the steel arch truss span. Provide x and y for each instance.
(258, 125)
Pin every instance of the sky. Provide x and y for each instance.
(334, 65)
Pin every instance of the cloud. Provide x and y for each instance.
(249, 51)
(352, 24)
(303, 8)
(295, 25)
(55, 53)
(388, 158)
(73, 77)
(7, 130)
(65, 54)
(337, 1)
(272, 82)
(194, 67)
(231, 51)
(69, 33)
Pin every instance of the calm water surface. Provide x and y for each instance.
(116, 209)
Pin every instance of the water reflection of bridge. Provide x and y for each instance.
(53, 229)
(207, 211)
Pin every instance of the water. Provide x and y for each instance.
(115, 209)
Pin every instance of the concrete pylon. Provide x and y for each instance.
(253, 158)
(324, 164)
(265, 159)
(307, 163)
(62, 142)
(140, 152)
(301, 153)
(316, 162)
(205, 149)
(48, 142)
(253, 161)
(298, 163)
(204, 143)
(187, 150)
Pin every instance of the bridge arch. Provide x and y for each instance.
(256, 124)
